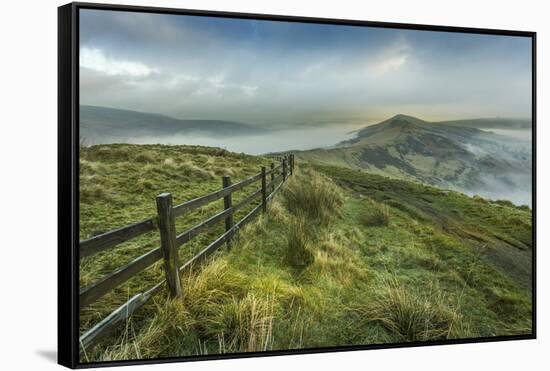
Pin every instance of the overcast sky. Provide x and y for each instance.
(281, 73)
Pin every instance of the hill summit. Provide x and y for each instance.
(461, 158)
(406, 118)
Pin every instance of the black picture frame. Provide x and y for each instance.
(68, 170)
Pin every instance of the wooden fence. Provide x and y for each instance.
(171, 241)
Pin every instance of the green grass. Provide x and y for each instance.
(374, 214)
(299, 239)
(312, 197)
(341, 258)
(414, 315)
(118, 186)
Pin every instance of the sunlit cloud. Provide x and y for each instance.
(390, 64)
(217, 85)
(96, 60)
(391, 59)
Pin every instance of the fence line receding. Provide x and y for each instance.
(171, 241)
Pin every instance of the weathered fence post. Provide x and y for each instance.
(292, 163)
(272, 177)
(264, 191)
(167, 228)
(228, 203)
(289, 164)
(284, 169)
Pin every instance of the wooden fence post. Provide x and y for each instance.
(272, 177)
(264, 191)
(284, 169)
(289, 164)
(292, 163)
(167, 228)
(227, 203)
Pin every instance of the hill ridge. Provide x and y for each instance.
(102, 125)
(467, 159)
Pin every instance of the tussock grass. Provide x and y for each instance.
(171, 323)
(192, 170)
(109, 153)
(215, 314)
(170, 163)
(90, 167)
(298, 251)
(413, 315)
(375, 214)
(335, 263)
(312, 201)
(249, 324)
(208, 290)
(222, 309)
(314, 196)
(342, 272)
(145, 184)
(277, 212)
(94, 192)
(145, 157)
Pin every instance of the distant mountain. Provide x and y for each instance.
(457, 157)
(108, 125)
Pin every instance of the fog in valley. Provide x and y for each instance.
(273, 141)
(524, 135)
(512, 187)
(513, 183)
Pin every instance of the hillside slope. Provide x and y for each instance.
(461, 158)
(101, 125)
(341, 257)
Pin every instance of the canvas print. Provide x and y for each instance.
(252, 185)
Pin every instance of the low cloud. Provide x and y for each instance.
(95, 59)
(275, 141)
(391, 58)
(514, 187)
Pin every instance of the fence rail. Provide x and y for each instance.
(171, 241)
(111, 239)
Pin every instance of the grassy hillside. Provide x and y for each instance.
(341, 258)
(438, 154)
(109, 125)
(118, 186)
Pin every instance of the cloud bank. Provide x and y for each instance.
(283, 73)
